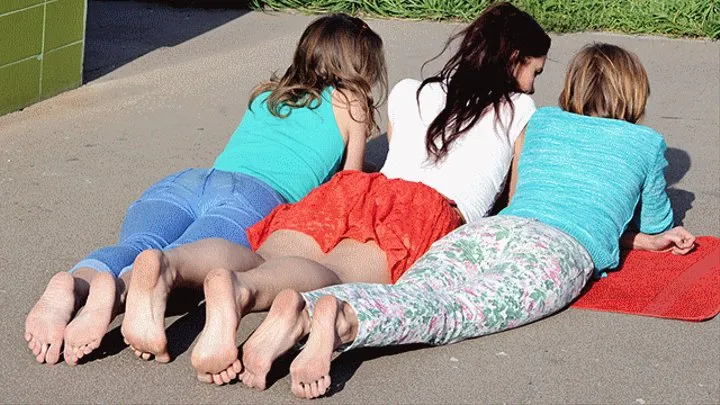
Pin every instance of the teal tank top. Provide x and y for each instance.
(294, 154)
(590, 177)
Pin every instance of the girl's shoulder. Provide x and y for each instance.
(523, 103)
(403, 101)
(554, 119)
(403, 89)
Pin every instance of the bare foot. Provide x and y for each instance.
(45, 325)
(286, 323)
(310, 371)
(85, 332)
(144, 324)
(215, 356)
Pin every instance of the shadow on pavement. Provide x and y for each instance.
(679, 163)
(346, 365)
(120, 31)
(184, 303)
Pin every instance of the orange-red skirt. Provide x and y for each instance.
(403, 217)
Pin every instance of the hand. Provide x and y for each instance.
(677, 241)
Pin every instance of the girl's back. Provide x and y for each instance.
(301, 126)
(293, 153)
(586, 175)
(473, 172)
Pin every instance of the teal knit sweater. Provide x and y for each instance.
(589, 177)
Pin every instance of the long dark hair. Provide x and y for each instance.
(335, 50)
(481, 72)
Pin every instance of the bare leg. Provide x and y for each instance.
(105, 301)
(350, 261)
(229, 296)
(334, 323)
(45, 325)
(286, 323)
(156, 273)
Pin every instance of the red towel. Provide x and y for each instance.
(662, 285)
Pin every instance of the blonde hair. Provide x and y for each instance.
(335, 50)
(607, 81)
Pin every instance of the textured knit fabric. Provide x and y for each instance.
(586, 176)
(473, 172)
(404, 218)
(488, 276)
(293, 154)
(184, 207)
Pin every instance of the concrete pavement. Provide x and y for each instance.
(169, 87)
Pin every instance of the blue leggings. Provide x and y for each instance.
(184, 207)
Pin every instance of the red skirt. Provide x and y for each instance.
(404, 218)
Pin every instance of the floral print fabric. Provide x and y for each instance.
(485, 277)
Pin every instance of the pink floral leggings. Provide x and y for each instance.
(485, 277)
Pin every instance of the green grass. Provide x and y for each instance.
(675, 18)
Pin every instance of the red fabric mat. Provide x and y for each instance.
(662, 285)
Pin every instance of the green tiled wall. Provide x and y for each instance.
(41, 49)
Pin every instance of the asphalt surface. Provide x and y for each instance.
(166, 88)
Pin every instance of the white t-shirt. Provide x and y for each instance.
(473, 172)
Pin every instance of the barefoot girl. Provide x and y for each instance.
(583, 170)
(451, 144)
(294, 137)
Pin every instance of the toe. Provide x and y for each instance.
(247, 379)
(145, 356)
(43, 351)
(86, 349)
(231, 373)
(94, 344)
(53, 354)
(70, 359)
(216, 379)
(307, 391)
(225, 377)
(325, 384)
(206, 378)
(237, 366)
(314, 389)
(296, 389)
(28, 336)
(36, 346)
(162, 358)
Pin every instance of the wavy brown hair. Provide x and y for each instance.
(481, 73)
(335, 50)
(604, 80)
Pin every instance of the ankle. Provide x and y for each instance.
(244, 297)
(120, 295)
(122, 289)
(81, 290)
(347, 324)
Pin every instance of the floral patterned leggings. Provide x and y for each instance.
(485, 277)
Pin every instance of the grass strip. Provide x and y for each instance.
(673, 18)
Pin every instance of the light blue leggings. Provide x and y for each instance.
(184, 207)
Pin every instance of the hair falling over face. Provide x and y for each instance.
(335, 50)
(482, 71)
(604, 80)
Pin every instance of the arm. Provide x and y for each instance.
(517, 148)
(654, 217)
(355, 151)
(677, 241)
(389, 132)
(654, 214)
(351, 118)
